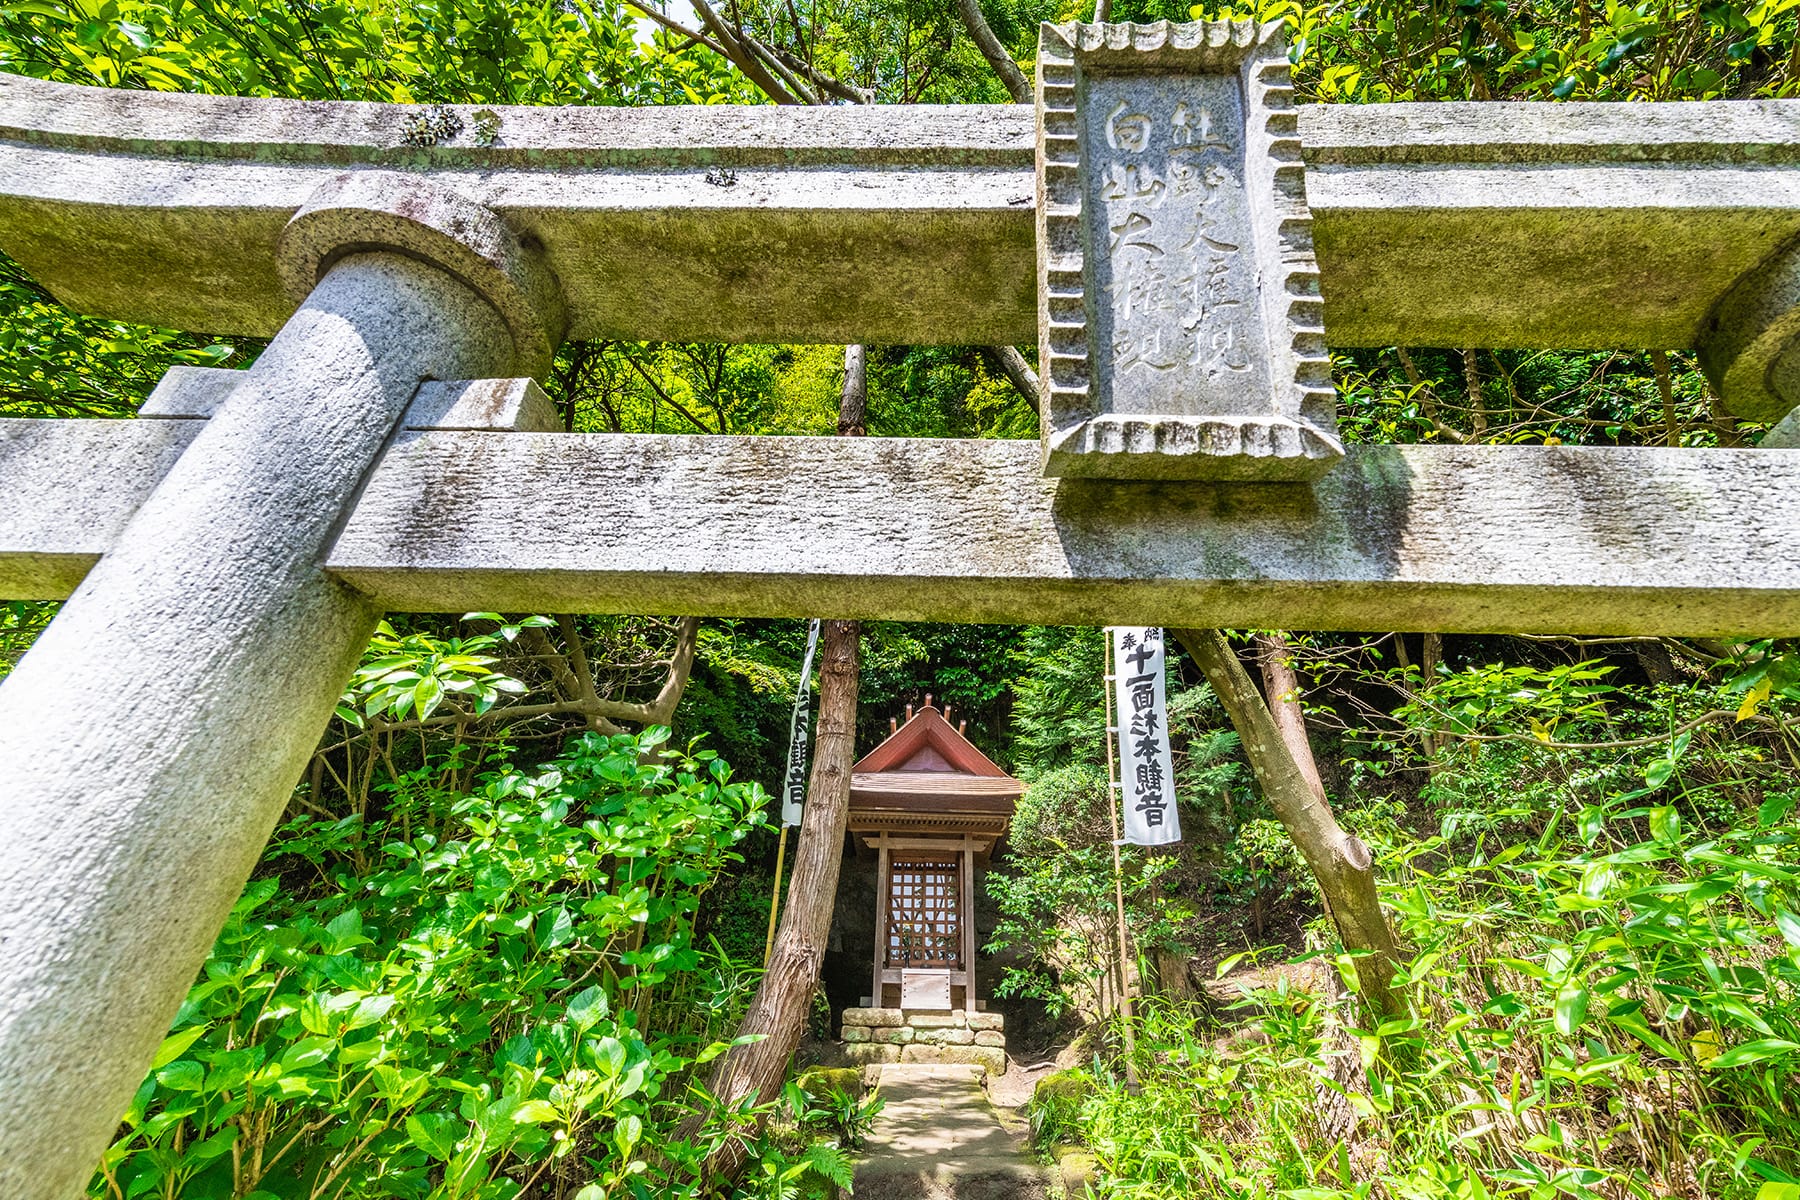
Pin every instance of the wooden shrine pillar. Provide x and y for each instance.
(883, 890)
(966, 915)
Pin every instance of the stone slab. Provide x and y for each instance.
(1439, 538)
(857, 1033)
(944, 1037)
(935, 1020)
(895, 1037)
(864, 1054)
(454, 404)
(1402, 193)
(658, 222)
(99, 471)
(1564, 225)
(990, 1037)
(1178, 296)
(987, 1020)
(986, 1056)
(874, 1016)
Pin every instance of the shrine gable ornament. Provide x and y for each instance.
(1181, 328)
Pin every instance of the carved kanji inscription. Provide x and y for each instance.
(1179, 304)
(1176, 288)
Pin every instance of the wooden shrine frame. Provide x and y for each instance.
(960, 850)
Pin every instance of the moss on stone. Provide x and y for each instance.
(820, 1082)
(1062, 1085)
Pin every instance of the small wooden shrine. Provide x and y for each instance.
(931, 806)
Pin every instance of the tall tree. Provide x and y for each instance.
(1273, 733)
(754, 1071)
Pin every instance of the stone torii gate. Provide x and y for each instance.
(1164, 227)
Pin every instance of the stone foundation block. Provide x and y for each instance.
(987, 1020)
(857, 1033)
(894, 1037)
(926, 1020)
(944, 1037)
(864, 1053)
(874, 1017)
(993, 1060)
(990, 1037)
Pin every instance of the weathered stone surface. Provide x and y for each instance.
(410, 215)
(190, 392)
(455, 404)
(865, 1053)
(1750, 347)
(990, 1037)
(856, 1033)
(1078, 1167)
(126, 835)
(1180, 326)
(985, 1056)
(987, 1020)
(657, 221)
(874, 1016)
(69, 488)
(897, 1036)
(1449, 538)
(938, 1137)
(944, 1037)
(1404, 195)
(932, 1020)
(1563, 224)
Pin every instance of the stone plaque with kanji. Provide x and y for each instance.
(1179, 312)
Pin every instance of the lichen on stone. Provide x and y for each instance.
(433, 125)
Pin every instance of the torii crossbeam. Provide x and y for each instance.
(1181, 241)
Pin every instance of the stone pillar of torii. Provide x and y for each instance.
(1180, 240)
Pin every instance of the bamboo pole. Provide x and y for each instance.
(1112, 817)
(775, 896)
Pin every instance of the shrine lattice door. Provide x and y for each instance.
(925, 913)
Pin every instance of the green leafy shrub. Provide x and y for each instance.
(512, 1002)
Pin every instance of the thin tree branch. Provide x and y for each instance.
(1018, 372)
(1017, 86)
(745, 59)
(677, 405)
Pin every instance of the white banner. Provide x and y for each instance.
(793, 788)
(1146, 767)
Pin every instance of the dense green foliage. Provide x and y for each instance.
(1605, 985)
(459, 997)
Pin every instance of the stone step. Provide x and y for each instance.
(938, 1137)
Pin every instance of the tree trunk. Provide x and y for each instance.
(778, 1012)
(1430, 655)
(1282, 689)
(853, 403)
(1018, 372)
(1017, 86)
(1282, 759)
